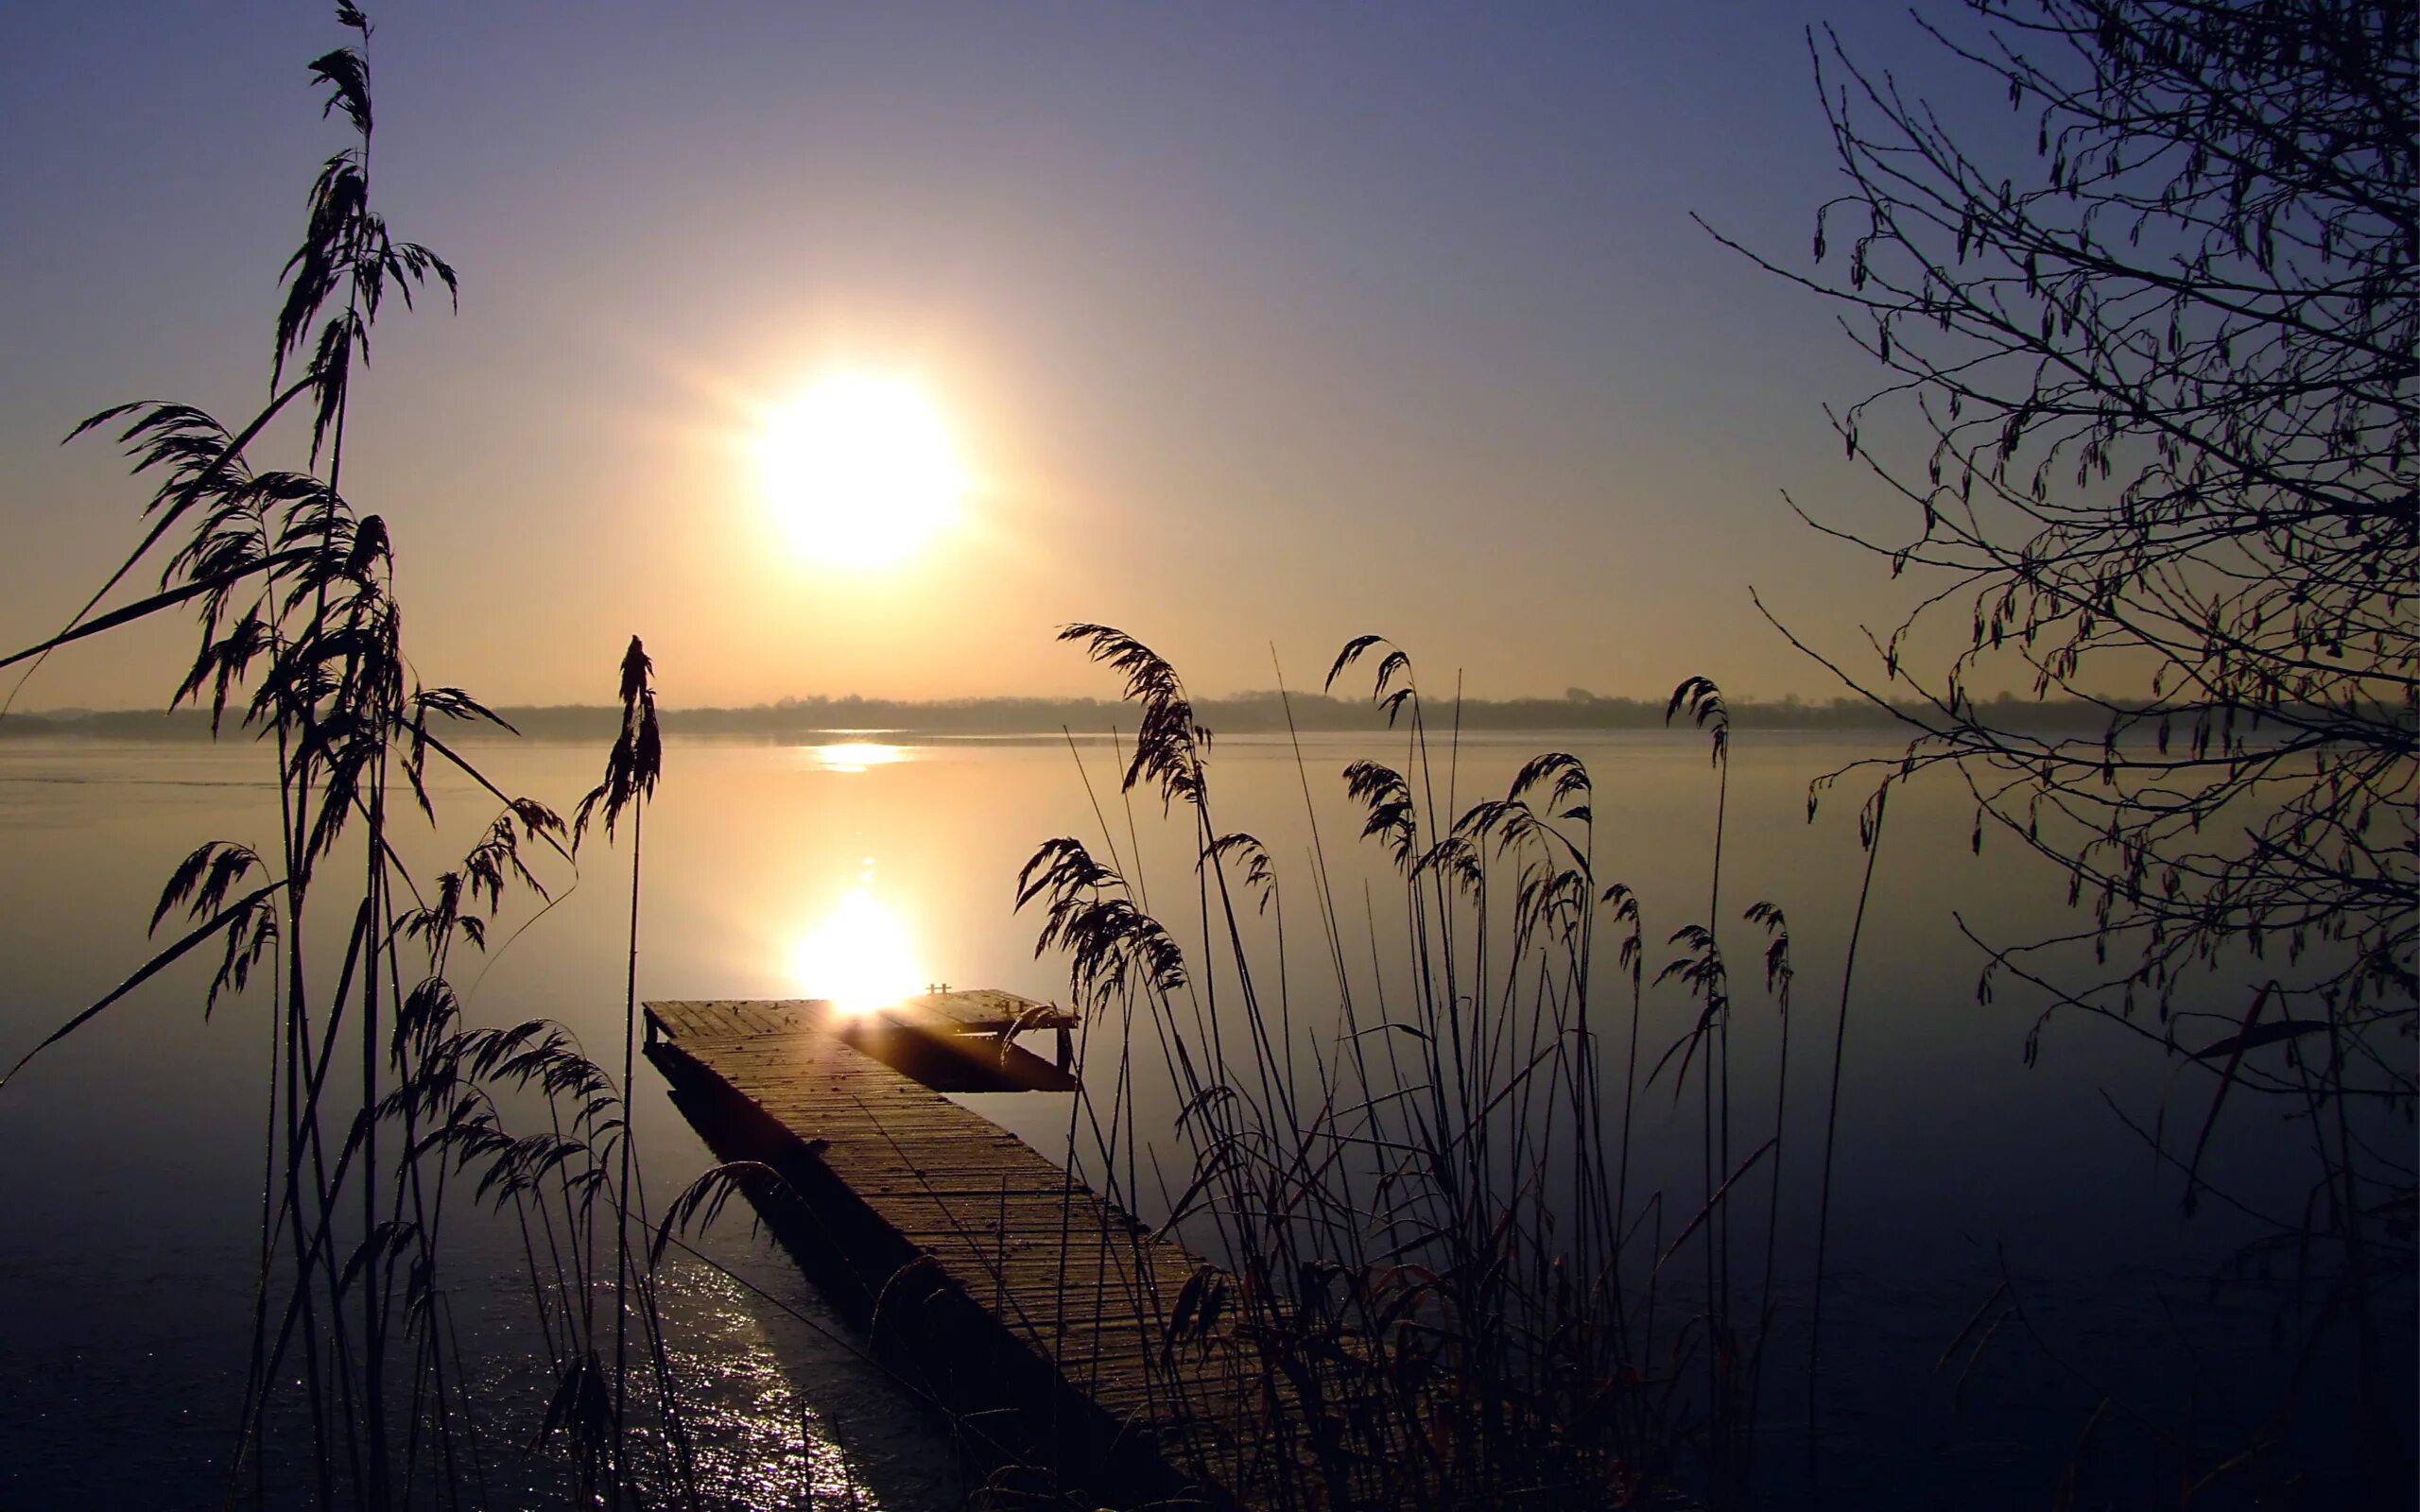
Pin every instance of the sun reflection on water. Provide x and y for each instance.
(756, 1443)
(855, 755)
(861, 957)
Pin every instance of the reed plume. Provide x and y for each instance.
(1440, 1268)
(386, 1111)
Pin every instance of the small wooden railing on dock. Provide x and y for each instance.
(1041, 1317)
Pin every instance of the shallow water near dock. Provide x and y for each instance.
(132, 1167)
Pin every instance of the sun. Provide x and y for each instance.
(861, 957)
(860, 468)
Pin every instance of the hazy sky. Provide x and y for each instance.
(1252, 324)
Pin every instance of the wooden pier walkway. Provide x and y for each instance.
(1039, 1315)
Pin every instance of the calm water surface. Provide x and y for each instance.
(129, 1155)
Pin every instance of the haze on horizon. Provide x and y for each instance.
(1245, 328)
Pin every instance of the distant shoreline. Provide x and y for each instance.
(1247, 714)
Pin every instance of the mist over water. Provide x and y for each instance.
(133, 1165)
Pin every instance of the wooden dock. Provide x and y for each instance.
(1040, 1316)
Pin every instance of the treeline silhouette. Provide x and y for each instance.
(1244, 713)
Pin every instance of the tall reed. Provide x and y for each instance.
(386, 1109)
(1703, 969)
(1431, 1253)
(631, 770)
(1870, 834)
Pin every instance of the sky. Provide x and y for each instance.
(1251, 328)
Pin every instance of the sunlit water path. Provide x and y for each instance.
(131, 1166)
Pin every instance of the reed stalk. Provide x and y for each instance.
(377, 1094)
(1420, 1252)
(1870, 826)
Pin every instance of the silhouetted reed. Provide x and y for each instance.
(387, 1110)
(1436, 1276)
(631, 770)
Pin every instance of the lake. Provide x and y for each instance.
(132, 1166)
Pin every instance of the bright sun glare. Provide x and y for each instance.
(861, 957)
(855, 755)
(860, 468)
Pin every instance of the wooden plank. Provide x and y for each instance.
(1052, 1268)
(980, 1010)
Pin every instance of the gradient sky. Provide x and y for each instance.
(1254, 324)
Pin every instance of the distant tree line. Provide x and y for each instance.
(1254, 712)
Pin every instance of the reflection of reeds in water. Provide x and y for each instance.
(1432, 1259)
(387, 1110)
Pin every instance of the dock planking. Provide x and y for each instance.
(1038, 1314)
